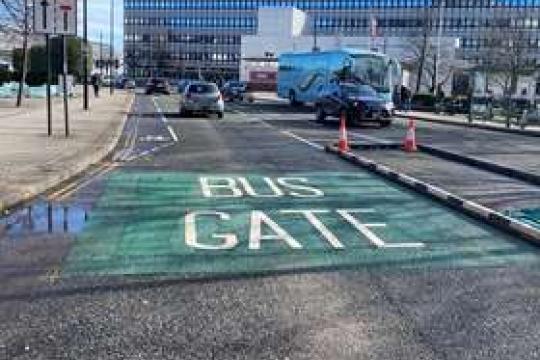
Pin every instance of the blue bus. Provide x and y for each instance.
(301, 75)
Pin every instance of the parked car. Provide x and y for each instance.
(124, 83)
(234, 90)
(129, 84)
(358, 103)
(423, 102)
(107, 80)
(533, 116)
(202, 97)
(181, 86)
(157, 86)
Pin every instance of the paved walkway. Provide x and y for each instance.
(463, 120)
(31, 162)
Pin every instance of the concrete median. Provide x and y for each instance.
(468, 207)
(463, 122)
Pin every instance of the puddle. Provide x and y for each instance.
(44, 217)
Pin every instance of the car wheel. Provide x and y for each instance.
(185, 113)
(220, 115)
(321, 115)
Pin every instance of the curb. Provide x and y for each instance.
(533, 133)
(482, 164)
(470, 208)
(59, 178)
(458, 158)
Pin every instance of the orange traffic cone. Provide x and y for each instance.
(409, 144)
(343, 144)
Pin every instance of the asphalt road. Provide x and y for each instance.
(99, 269)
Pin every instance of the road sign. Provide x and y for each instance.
(44, 16)
(66, 17)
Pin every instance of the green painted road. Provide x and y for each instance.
(208, 225)
(528, 216)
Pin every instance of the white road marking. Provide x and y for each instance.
(370, 235)
(164, 119)
(173, 134)
(317, 224)
(147, 152)
(305, 141)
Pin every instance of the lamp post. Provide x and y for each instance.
(111, 52)
(85, 54)
(442, 5)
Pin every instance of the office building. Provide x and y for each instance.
(188, 38)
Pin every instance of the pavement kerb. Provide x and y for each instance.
(482, 164)
(58, 178)
(461, 159)
(533, 133)
(467, 207)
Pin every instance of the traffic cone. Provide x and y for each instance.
(409, 144)
(343, 144)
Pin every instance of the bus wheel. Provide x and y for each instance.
(292, 98)
(321, 115)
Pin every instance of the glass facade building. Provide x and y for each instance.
(182, 38)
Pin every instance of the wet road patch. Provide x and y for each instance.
(197, 225)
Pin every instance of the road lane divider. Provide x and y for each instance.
(301, 139)
(501, 128)
(163, 118)
(481, 164)
(468, 207)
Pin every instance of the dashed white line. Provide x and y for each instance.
(173, 134)
(164, 119)
(301, 139)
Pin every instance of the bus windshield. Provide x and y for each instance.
(372, 70)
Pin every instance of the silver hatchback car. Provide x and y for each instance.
(201, 97)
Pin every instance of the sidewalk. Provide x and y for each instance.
(462, 120)
(31, 162)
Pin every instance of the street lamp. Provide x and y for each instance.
(442, 5)
(85, 54)
(111, 52)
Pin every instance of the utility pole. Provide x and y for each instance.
(64, 83)
(49, 71)
(111, 52)
(101, 53)
(25, 54)
(85, 54)
(442, 5)
(315, 46)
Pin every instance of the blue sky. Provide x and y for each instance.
(99, 20)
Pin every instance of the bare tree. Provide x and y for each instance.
(422, 54)
(504, 57)
(15, 18)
